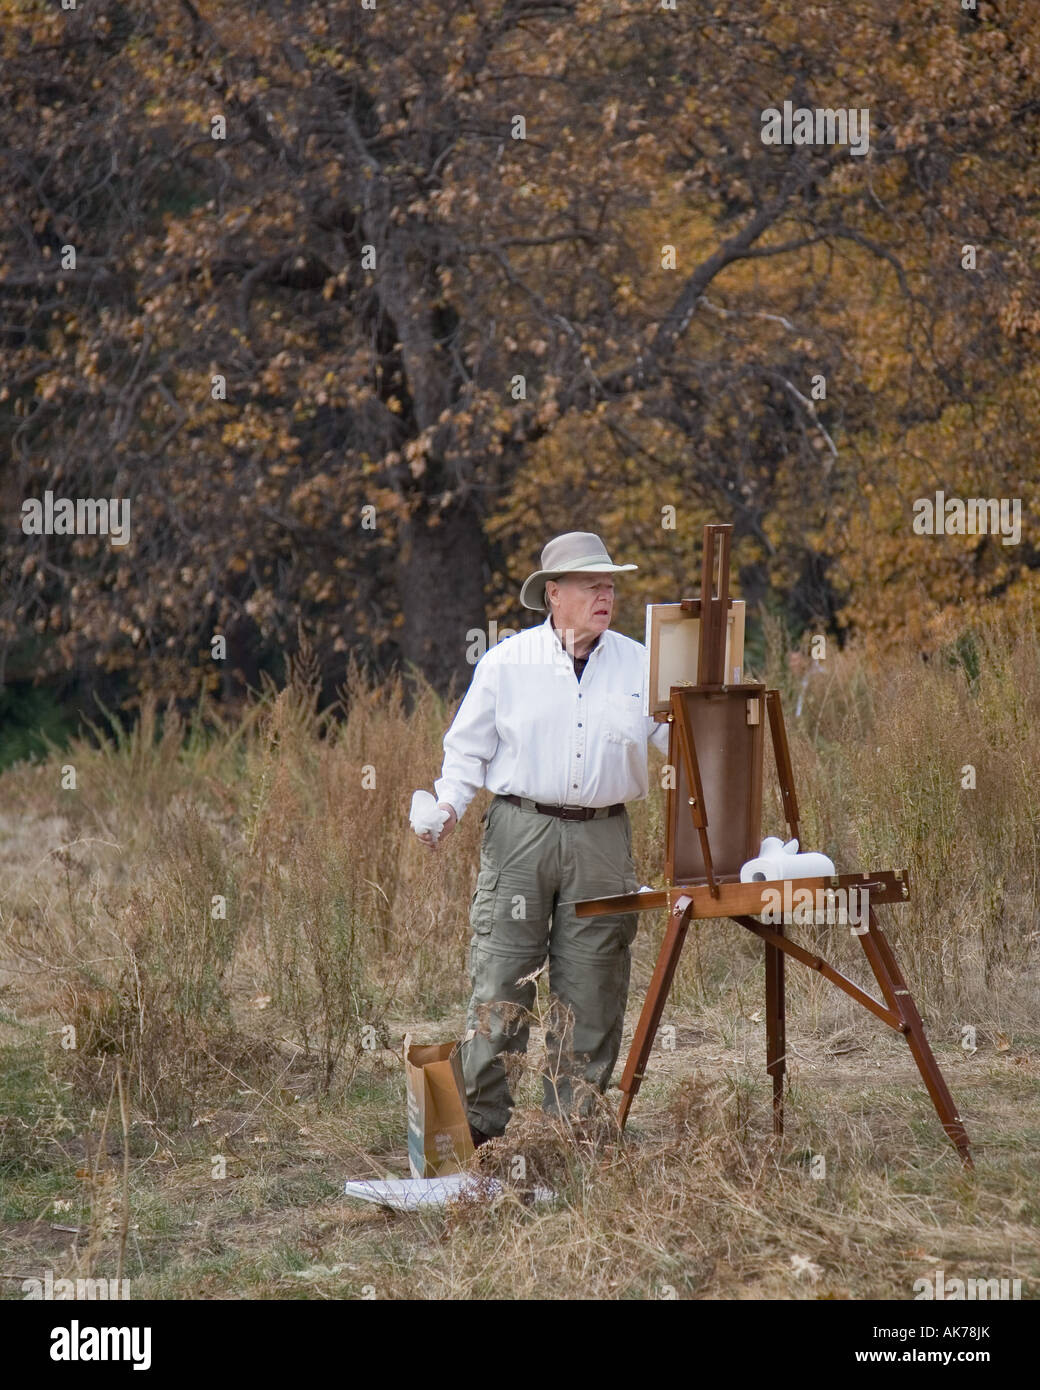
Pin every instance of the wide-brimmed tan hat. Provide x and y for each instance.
(576, 552)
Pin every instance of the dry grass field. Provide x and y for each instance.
(270, 1037)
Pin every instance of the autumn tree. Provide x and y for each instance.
(364, 304)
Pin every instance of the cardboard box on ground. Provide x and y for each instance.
(439, 1140)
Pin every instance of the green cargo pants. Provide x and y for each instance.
(533, 867)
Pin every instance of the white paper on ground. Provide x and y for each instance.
(410, 1194)
(425, 815)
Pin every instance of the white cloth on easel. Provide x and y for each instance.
(779, 861)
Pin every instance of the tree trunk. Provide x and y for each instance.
(442, 571)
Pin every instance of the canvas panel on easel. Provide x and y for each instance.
(672, 641)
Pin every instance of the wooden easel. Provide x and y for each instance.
(716, 743)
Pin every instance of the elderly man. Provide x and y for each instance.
(552, 723)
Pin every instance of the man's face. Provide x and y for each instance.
(585, 603)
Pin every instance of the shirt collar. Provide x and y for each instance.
(555, 636)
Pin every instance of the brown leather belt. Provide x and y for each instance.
(568, 812)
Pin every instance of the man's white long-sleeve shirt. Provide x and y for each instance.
(528, 727)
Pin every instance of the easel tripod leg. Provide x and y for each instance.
(776, 1010)
(653, 1004)
(776, 1040)
(893, 986)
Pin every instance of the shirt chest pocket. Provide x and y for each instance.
(623, 719)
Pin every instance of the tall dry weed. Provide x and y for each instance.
(297, 818)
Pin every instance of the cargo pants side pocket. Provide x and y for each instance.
(485, 894)
(482, 905)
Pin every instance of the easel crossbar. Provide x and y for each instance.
(737, 899)
(815, 962)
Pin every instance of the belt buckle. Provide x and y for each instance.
(572, 813)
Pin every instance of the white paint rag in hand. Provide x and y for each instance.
(426, 815)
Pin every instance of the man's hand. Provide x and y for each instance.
(446, 828)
